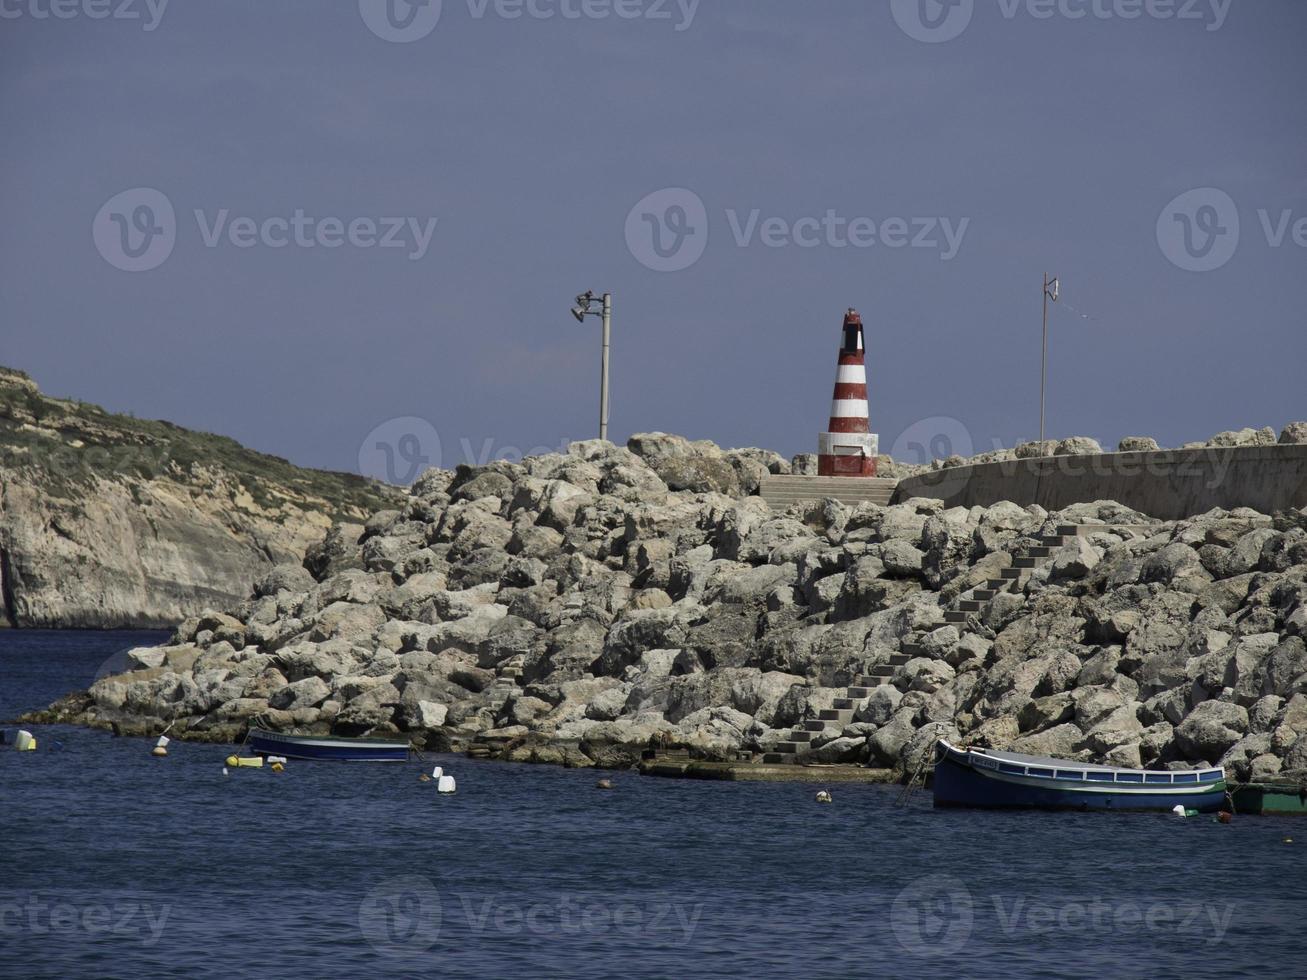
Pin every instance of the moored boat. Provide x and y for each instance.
(1273, 798)
(327, 747)
(989, 778)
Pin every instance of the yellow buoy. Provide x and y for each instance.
(423, 778)
(245, 761)
(277, 767)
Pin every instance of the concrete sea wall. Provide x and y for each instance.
(1169, 484)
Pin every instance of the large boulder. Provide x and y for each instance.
(1210, 729)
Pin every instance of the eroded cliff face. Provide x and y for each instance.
(108, 521)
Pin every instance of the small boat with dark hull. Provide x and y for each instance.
(992, 779)
(327, 747)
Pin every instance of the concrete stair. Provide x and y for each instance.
(782, 491)
(839, 714)
(1033, 556)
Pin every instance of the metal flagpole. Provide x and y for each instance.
(1043, 359)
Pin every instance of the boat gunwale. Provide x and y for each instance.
(1215, 776)
(344, 740)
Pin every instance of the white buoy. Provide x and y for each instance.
(1178, 810)
(224, 770)
(24, 741)
(445, 784)
(160, 747)
(437, 772)
(823, 796)
(276, 758)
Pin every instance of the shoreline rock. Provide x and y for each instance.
(582, 608)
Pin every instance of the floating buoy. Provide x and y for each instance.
(1288, 840)
(24, 741)
(823, 796)
(160, 747)
(1179, 810)
(445, 784)
(1225, 816)
(437, 772)
(224, 771)
(277, 767)
(604, 784)
(276, 758)
(245, 761)
(423, 778)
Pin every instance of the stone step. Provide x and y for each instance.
(998, 584)
(911, 650)
(844, 704)
(899, 659)
(801, 735)
(881, 670)
(858, 692)
(791, 748)
(970, 605)
(777, 758)
(1022, 561)
(781, 491)
(873, 682)
(984, 595)
(1038, 551)
(1055, 540)
(814, 725)
(842, 715)
(954, 616)
(1010, 574)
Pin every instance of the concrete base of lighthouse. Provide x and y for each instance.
(847, 454)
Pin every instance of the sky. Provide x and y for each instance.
(350, 233)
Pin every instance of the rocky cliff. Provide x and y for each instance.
(109, 521)
(579, 607)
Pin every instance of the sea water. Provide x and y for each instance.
(114, 863)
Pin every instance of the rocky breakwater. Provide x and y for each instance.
(110, 521)
(576, 608)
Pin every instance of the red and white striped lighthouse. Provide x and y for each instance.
(848, 447)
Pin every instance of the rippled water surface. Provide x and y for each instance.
(116, 864)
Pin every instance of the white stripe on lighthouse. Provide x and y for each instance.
(851, 374)
(848, 408)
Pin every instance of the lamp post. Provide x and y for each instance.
(1051, 290)
(581, 310)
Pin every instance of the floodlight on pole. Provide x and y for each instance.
(580, 311)
(1052, 288)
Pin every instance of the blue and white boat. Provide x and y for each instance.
(988, 778)
(327, 747)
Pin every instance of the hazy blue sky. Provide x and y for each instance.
(1009, 136)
